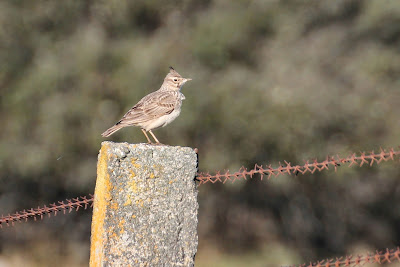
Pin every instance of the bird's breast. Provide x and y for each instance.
(161, 121)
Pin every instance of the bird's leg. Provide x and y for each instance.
(155, 138)
(148, 139)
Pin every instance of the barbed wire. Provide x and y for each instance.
(52, 209)
(379, 257)
(269, 171)
(243, 173)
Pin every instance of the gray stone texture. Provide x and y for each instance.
(151, 210)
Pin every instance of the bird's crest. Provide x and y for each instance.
(173, 72)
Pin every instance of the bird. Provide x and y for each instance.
(156, 109)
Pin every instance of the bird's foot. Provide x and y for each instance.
(158, 144)
(151, 143)
(155, 144)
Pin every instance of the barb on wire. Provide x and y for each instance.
(311, 167)
(62, 206)
(380, 257)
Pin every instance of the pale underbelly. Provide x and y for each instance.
(161, 122)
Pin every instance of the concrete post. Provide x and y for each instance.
(145, 206)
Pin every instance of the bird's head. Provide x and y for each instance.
(173, 80)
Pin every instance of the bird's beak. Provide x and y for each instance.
(185, 80)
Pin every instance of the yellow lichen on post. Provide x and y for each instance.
(145, 207)
(133, 186)
(102, 200)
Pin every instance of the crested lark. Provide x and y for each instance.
(156, 109)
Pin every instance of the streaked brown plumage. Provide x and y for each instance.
(156, 109)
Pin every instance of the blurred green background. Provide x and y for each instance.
(272, 81)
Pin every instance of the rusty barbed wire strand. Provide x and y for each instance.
(380, 257)
(62, 206)
(269, 171)
(243, 173)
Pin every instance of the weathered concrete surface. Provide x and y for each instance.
(145, 206)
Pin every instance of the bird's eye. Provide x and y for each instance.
(175, 80)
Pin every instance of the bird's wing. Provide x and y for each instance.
(150, 107)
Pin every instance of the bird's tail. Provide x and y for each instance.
(112, 130)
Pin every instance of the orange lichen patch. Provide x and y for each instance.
(133, 216)
(134, 164)
(140, 202)
(101, 202)
(133, 186)
(128, 201)
(110, 230)
(133, 174)
(121, 226)
(113, 235)
(172, 181)
(152, 175)
(114, 205)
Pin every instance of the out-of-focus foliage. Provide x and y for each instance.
(272, 81)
